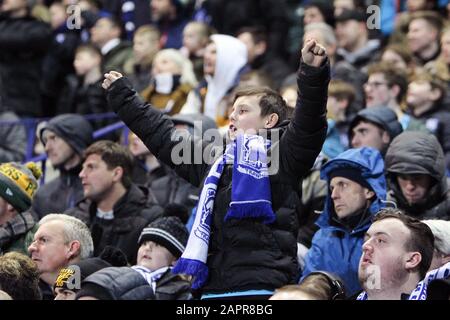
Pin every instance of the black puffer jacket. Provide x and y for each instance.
(244, 254)
(132, 213)
(417, 152)
(23, 43)
(120, 283)
(124, 283)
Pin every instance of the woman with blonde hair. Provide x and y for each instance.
(172, 80)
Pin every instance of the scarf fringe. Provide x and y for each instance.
(194, 268)
(261, 210)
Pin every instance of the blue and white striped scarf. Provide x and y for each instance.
(420, 292)
(250, 198)
(151, 276)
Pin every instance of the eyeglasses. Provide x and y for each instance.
(375, 84)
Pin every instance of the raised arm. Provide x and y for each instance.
(303, 140)
(154, 128)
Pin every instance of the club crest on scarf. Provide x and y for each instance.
(253, 157)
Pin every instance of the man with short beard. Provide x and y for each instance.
(397, 254)
(64, 137)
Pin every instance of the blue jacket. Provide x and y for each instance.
(335, 248)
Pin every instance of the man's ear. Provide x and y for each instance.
(117, 174)
(10, 208)
(74, 249)
(385, 137)
(271, 120)
(369, 193)
(413, 259)
(435, 94)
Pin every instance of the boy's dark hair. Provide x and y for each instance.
(114, 155)
(19, 277)
(393, 76)
(270, 102)
(421, 239)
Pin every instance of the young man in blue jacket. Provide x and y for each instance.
(356, 192)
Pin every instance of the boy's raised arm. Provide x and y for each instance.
(154, 128)
(303, 140)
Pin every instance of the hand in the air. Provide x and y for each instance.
(313, 53)
(110, 77)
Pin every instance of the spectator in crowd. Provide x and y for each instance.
(255, 39)
(340, 69)
(64, 137)
(115, 209)
(24, 42)
(357, 190)
(341, 96)
(397, 254)
(58, 62)
(375, 127)
(172, 80)
(424, 99)
(225, 60)
(161, 244)
(83, 93)
(19, 277)
(14, 138)
(105, 34)
(318, 285)
(168, 16)
(441, 232)
(241, 232)
(387, 87)
(69, 279)
(195, 39)
(399, 56)
(145, 46)
(18, 185)
(423, 36)
(354, 45)
(59, 241)
(415, 171)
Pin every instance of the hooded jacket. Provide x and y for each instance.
(244, 254)
(66, 190)
(230, 61)
(419, 153)
(335, 248)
